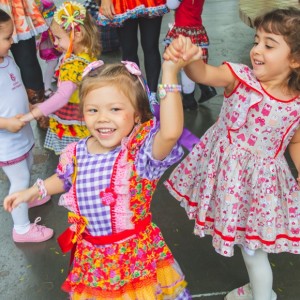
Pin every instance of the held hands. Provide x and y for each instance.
(182, 48)
(107, 9)
(13, 200)
(14, 124)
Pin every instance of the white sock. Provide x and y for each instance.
(260, 274)
(188, 86)
(19, 178)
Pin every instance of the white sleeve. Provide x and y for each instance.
(173, 4)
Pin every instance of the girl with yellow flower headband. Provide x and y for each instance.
(76, 35)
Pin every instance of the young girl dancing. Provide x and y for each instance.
(16, 138)
(188, 22)
(75, 34)
(236, 182)
(110, 178)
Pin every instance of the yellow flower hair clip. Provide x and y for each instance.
(69, 15)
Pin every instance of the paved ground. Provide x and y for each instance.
(36, 271)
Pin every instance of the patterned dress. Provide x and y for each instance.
(188, 22)
(133, 9)
(120, 253)
(236, 183)
(66, 125)
(27, 19)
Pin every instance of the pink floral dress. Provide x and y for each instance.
(28, 20)
(236, 183)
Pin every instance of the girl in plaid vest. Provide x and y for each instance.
(109, 179)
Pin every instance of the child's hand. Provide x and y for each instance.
(14, 124)
(107, 9)
(182, 48)
(13, 200)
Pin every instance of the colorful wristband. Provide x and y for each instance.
(41, 188)
(163, 89)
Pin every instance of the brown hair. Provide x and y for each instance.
(4, 17)
(285, 22)
(117, 75)
(91, 36)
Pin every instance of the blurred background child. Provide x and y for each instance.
(16, 139)
(188, 22)
(76, 35)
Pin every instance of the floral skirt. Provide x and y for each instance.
(28, 20)
(125, 10)
(139, 268)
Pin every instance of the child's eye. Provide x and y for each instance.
(115, 109)
(92, 110)
(255, 43)
(269, 47)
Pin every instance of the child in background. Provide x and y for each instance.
(16, 138)
(236, 182)
(188, 22)
(46, 47)
(109, 179)
(76, 35)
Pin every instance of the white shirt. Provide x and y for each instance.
(13, 101)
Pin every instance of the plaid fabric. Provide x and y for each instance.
(109, 37)
(94, 175)
(54, 143)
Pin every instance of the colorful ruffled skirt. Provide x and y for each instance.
(133, 9)
(140, 268)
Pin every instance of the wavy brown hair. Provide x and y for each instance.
(285, 22)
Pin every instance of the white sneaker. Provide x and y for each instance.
(244, 293)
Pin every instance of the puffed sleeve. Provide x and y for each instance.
(67, 165)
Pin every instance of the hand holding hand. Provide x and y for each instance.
(14, 124)
(182, 48)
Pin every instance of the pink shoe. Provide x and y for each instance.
(38, 202)
(36, 233)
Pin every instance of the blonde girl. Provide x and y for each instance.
(76, 35)
(109, 179)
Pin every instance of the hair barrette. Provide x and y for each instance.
(92, 66)
(70, 15)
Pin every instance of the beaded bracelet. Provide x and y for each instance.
(164, 88)
(41, 188)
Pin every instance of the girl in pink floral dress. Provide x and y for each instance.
(109, 179)
(236, 183)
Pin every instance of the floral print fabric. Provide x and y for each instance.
(236, 182)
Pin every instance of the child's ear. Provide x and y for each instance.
(294, 64)
(137, 119)
(78, 36)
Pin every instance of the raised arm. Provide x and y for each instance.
(171, 111)
(198, 71)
